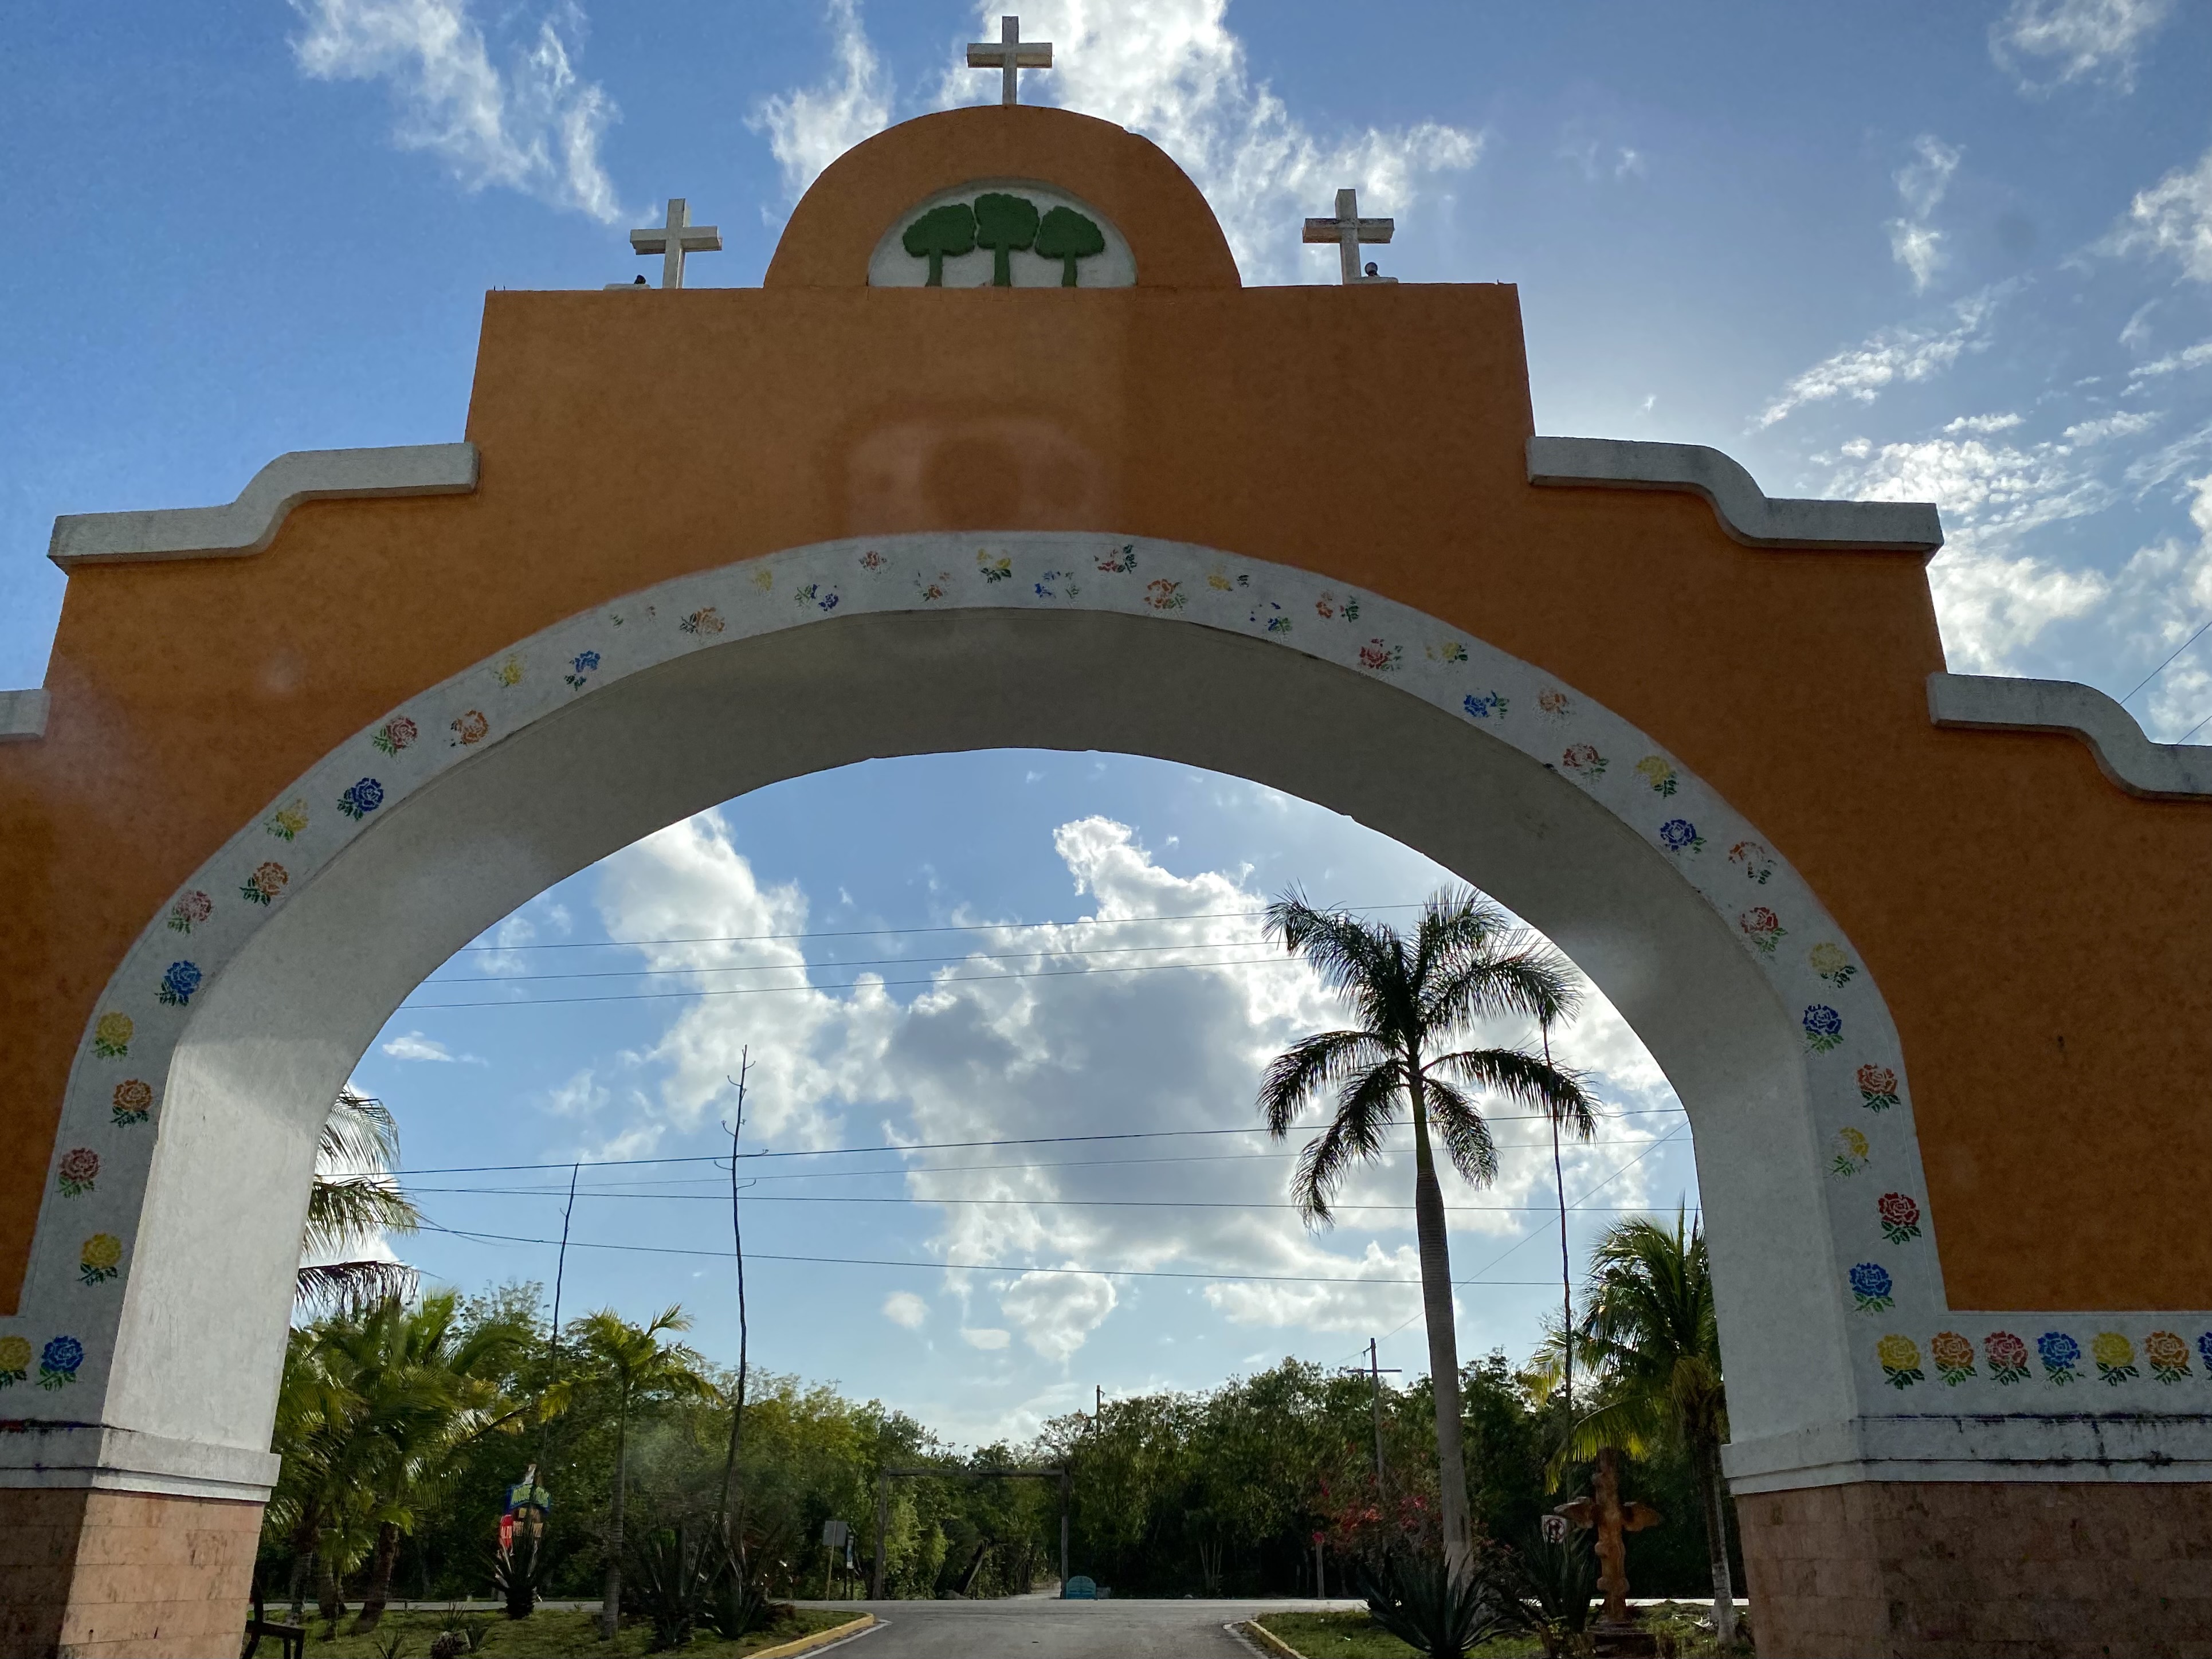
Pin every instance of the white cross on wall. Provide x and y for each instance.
(673, 241)
(1348, 230)
(1011, 54)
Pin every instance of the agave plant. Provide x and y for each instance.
(1432, 1609)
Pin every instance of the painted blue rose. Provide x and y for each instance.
(1678, 833)
(178, 984)
(1870, 1281)
(58, 1364)
(586, 661)
(2204, 1347)
(2060, 1354)
(362, 799)
(1824, 1027)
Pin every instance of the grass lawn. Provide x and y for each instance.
(1356, 1636)
(543, 1635)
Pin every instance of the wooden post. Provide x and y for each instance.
(1066, 1485)
(883, 1525)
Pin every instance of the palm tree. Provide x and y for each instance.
(1651, 1340)
(353, 1201)
(1414, 997)
(633, 1364)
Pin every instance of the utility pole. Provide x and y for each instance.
(883, 1525)
(1066, 1485)
(1375, 1370)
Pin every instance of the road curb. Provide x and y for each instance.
(1265, 1640)
(822, 1638)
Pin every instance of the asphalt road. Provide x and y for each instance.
(1047, 1628)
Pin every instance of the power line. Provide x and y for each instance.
(2169, 663)
(2193, 730)
(981, 1203)
(719, 1161)
(876, 932)
(964, 1267)
(866, 961)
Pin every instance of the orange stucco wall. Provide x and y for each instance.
(2037, 934)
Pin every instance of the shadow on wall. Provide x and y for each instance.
(1001, 470)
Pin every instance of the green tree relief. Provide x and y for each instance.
(1003, 223)
(950, 229)
(1067, 235)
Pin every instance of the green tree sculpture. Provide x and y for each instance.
(1067, 235)
(1003, 223)
(1464, 965)
(950, 229)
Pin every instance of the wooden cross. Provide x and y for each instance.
(673, 241)
(1010, 54)
(1348, 230)
(1612, 1519)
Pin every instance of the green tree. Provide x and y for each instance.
(1003, 224)
(1413, 997)
(354, 1201)
(1651, 1340)
(634, 1369)
(943, 231)
(1067, 235)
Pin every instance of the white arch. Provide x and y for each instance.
(407, 840)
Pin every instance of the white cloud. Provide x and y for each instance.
(2196, 357)
(2164, 595)
(2069, 40)
(1981, 423)
(2173, 217)
(905, 1309)
(989, 1338)
(1913, 242)
(810, 127)
(1894, 354)
(1173, 70)
(416, 1046)
(534, 126)
(974, 1057)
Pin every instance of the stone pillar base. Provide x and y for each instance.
(86, 1571)
(1945, 1569)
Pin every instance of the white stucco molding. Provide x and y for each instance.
(1747, 513)
(23, 715)
(249, 523)
(94, 1455)
(2160, 771)
(2089, 1446)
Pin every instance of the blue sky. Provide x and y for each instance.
(1959, 253)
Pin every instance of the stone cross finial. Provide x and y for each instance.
(1348, 230)
(1010, 54)
(673, 241)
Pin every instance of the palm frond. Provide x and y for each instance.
(1489, 970)
(344, 1211)
(1300, 1072)
(1362, 962)
(345, 1288)
(1365, 1112)
(1465, 1135)
(358, 1134)
(1555, 1092)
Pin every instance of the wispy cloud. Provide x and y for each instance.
(1913, 241)
(532, 125)
(904, 1308)
(1173, 70)
(416, 1046)
(810, 127)
(2066, 40)
(1861, 372)
(2172, 218)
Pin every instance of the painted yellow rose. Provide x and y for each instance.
(1898, 1354)
(1852, 1142)
(509, 672)
(112, 1036)
(1827, 958)
(2111, 1348)
(15, 1353)
(101, 1250)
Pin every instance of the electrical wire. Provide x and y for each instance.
(984, 1203)
(2169, 663)
(868, 962)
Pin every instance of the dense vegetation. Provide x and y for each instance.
(396, 1440)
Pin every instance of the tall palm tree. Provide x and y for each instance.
(1650, 1338)
(1414, 999)
(353, 1201)
(638, 1369)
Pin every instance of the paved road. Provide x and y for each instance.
(1021, 1627)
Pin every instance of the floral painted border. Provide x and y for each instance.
(1882, 1230)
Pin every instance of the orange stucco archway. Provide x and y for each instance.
(2029, 903)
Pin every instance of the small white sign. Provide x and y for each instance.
(1004, 233)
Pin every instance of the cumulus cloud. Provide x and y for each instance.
(1861, 372)
(905, 1309)
(989, 1338)
(1174, 70)
(810, 127)
(1913, 242)
(528, 122)
(2164, 595)
(2173, 218)
(1093, 1047)
(2067, 41)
